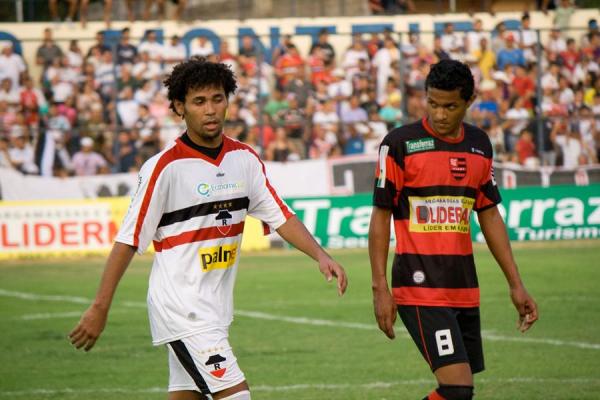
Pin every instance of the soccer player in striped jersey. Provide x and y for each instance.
(432, 175)
(191, 202)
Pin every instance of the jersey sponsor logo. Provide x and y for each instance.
(458, 167)
(440, 213)
(416, 145)
(218, 257)
(217, 189)
(216, 360)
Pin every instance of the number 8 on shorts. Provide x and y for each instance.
(443, 339)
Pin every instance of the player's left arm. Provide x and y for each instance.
(295, 233)
(494, 230)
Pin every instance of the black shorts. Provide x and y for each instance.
(445, 335)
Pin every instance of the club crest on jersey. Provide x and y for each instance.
(458, 167)
(223, 225)
(216, 360)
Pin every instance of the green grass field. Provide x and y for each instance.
(295, 338)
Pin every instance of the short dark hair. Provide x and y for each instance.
(195, 73)
(450, 75)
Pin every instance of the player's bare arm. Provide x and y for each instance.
(93, 320)
(295, 233)
(379, 243)
(494, 230)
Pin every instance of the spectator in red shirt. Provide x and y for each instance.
(523, 85)
(570, 57)
(525, 149)
(287, 66)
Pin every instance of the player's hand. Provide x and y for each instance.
(330, 269)
(89, 328)
(385, 311)
(526, 307)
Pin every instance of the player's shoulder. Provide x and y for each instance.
(239, 149)
(401, 134)
(478, 140)
(160, 160)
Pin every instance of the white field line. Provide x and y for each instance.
(58, 315)
(308, 386)
(487, 335)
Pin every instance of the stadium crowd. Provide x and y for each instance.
(104, 110)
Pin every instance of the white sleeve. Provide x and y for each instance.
(146, 208)
(265, 203)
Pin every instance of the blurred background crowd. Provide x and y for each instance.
(103, 109)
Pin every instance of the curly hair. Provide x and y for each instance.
(196, 73)
(450, 75)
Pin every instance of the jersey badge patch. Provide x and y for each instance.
(215, 361)
(223, 225)
(417, 145)
(458, 167)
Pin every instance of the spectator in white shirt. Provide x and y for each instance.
(201, 47)
(146, 68)
(127, 108)
(327, 116)
(473, 38)
(356, 52)
(173, 54)
(9, 93)
(556, 43)
(21, 154)
(451, 41)
(569, 143)
(527, 38)
(12, 65)
(152, 47)
(87, 162)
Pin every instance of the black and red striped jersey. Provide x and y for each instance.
(193, 207)
(432, 185)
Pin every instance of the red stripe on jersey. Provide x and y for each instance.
(445, 297)
(242, 146)
(430, 130)
(174, 153)
(197, 236)
(431, 243)
(441, 175)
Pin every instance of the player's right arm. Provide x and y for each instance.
(379, 244)
(93, 320)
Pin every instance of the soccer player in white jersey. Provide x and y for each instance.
(191, 202)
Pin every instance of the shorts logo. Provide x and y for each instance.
(218, 257)
(440, 214)
(458, 167)
(417, 145)
(215, 361)
(418, 277)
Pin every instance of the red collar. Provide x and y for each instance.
(430, 130)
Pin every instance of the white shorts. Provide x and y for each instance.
(204, 363)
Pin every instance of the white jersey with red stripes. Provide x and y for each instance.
(193, 209)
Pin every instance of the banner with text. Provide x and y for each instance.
(533, 213)
(53, 228)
